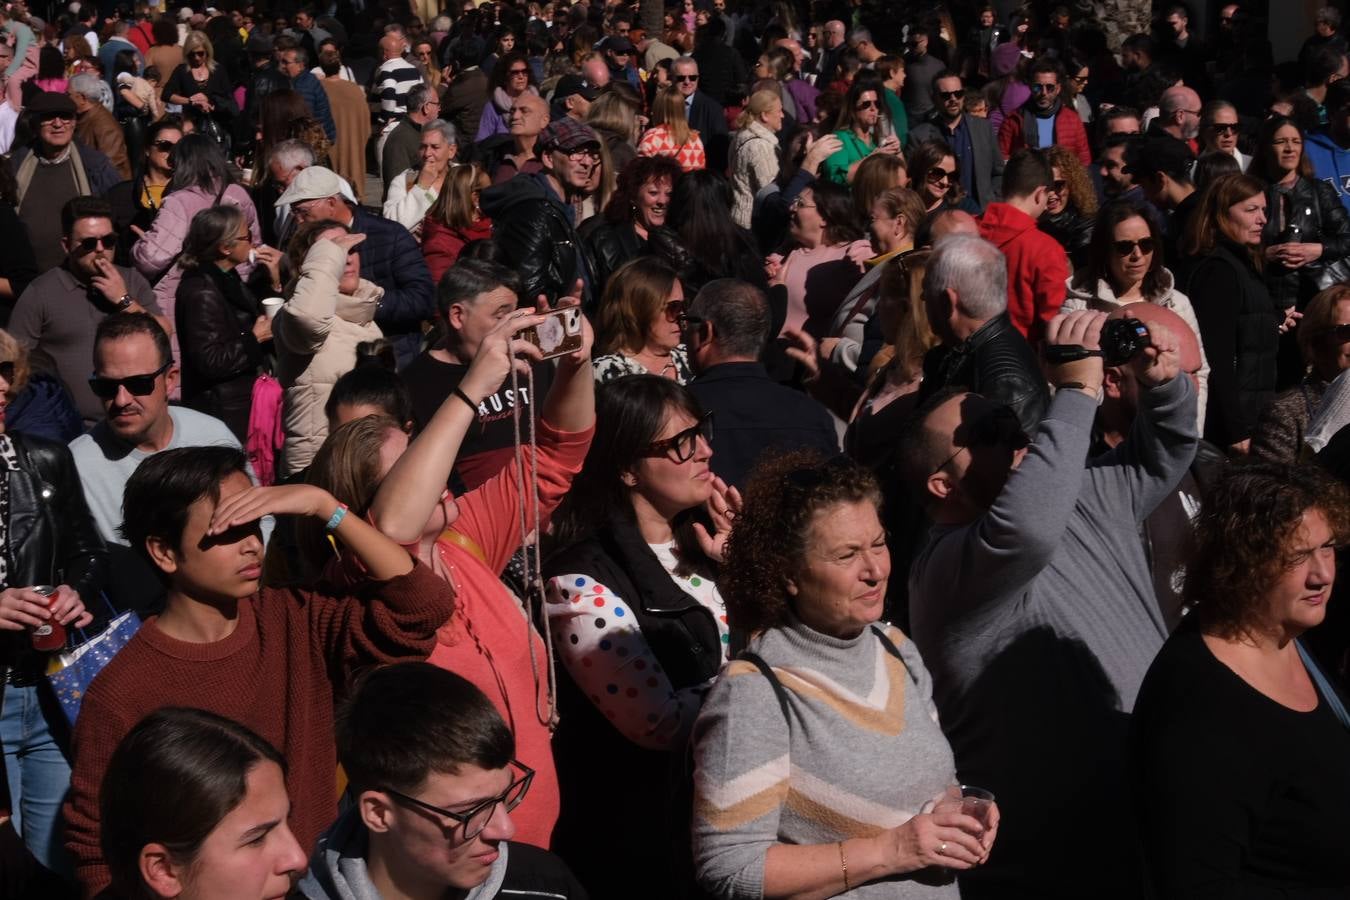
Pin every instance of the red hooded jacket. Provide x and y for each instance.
(1038, 268)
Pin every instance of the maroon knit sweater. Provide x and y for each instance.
(278, 673)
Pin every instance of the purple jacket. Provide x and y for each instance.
(1014, 97)
(804, 94)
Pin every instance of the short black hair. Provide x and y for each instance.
(371, 384)
(164, 486)
(125, 324)
(406, 721)
(739, 314)
(469, 278)
(1322, 64)
(1139, 43)
(78, 208)
(1046, 65)
(1026, 171)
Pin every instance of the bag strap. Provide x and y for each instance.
(1324, 686)
(779, 691)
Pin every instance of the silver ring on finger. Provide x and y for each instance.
(942, 849)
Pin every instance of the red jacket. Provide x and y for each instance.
(441, 245)
(1038, 268)
(1069, 133)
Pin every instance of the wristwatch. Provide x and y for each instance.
(124, 302)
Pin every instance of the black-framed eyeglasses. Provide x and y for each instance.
(97, 242)
(681, 447)
(591, 151)
(950, 95)
(164, 146)
(1058, 186)
(7, 371)
(867, 104)
(997, 427)
(937, 175)
(54, 116)
(473, 821)
(514, 72)
(686, 78)
(1342, 333)
(1223, 127)
(1126, 248)
(136, 385)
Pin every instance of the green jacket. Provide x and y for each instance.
(837, 166)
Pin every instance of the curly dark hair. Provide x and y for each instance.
(769, 542)
(1243, 538)
(622, 205)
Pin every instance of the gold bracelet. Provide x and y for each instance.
(843, 864)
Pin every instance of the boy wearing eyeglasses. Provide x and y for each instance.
(433, 781)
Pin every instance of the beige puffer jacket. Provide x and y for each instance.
(315, 335)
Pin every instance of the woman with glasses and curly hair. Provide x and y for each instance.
(1070, 206)
(634, 220)
(1240, 739)
(640, 626)
(826, 700)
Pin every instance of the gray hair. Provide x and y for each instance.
(419, 94)
(292, 154)
(86, 84)
(860, 36)
(684, 61)
(446, 129)
(441, 23)
(975, 270)
(1329, 15)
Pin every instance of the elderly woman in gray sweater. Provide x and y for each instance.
(820, 767)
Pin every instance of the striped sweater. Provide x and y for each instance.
(860, 752)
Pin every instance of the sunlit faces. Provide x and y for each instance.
(221, 567)
(866, 110)
(1044, 89)
(653, 202)
(351, 270)
(130, 416)
(251, 854)
(805, 224)
(435, 150)
(668, 484)
(1058, 196)
(840, 587)
(1298, 598)
(1246, 218)
(1129, 268)
(1287, 145)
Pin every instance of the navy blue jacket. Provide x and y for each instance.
(754, 415)
(391, 258)
(316, 98)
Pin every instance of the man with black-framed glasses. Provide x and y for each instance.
(433, 780)
(58, 313)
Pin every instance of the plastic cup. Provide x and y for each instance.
(271, 306)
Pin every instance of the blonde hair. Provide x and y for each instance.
(759, 103)
(668, 110)
(12, 350)
(614, 113)
(902, 280)
(196, 40)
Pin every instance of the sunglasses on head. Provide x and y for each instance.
(1126, 248)
(136, 385)
(97, 242)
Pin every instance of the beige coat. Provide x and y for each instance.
(315, 335)
(754, 163)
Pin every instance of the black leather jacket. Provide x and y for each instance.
(995, 361)
(611, 244)
(1073, 231)
(1315, 215)
(531, 229)
(51, 538)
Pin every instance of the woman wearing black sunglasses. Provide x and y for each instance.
(640, 628)
(1125, 265)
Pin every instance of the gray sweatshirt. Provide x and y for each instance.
(1038, 621)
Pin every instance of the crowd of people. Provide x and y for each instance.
(733, 449)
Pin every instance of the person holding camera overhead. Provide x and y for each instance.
(1037, 635)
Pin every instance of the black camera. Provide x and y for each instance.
(1121, 341)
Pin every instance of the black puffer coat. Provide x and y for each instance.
(215, 313)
